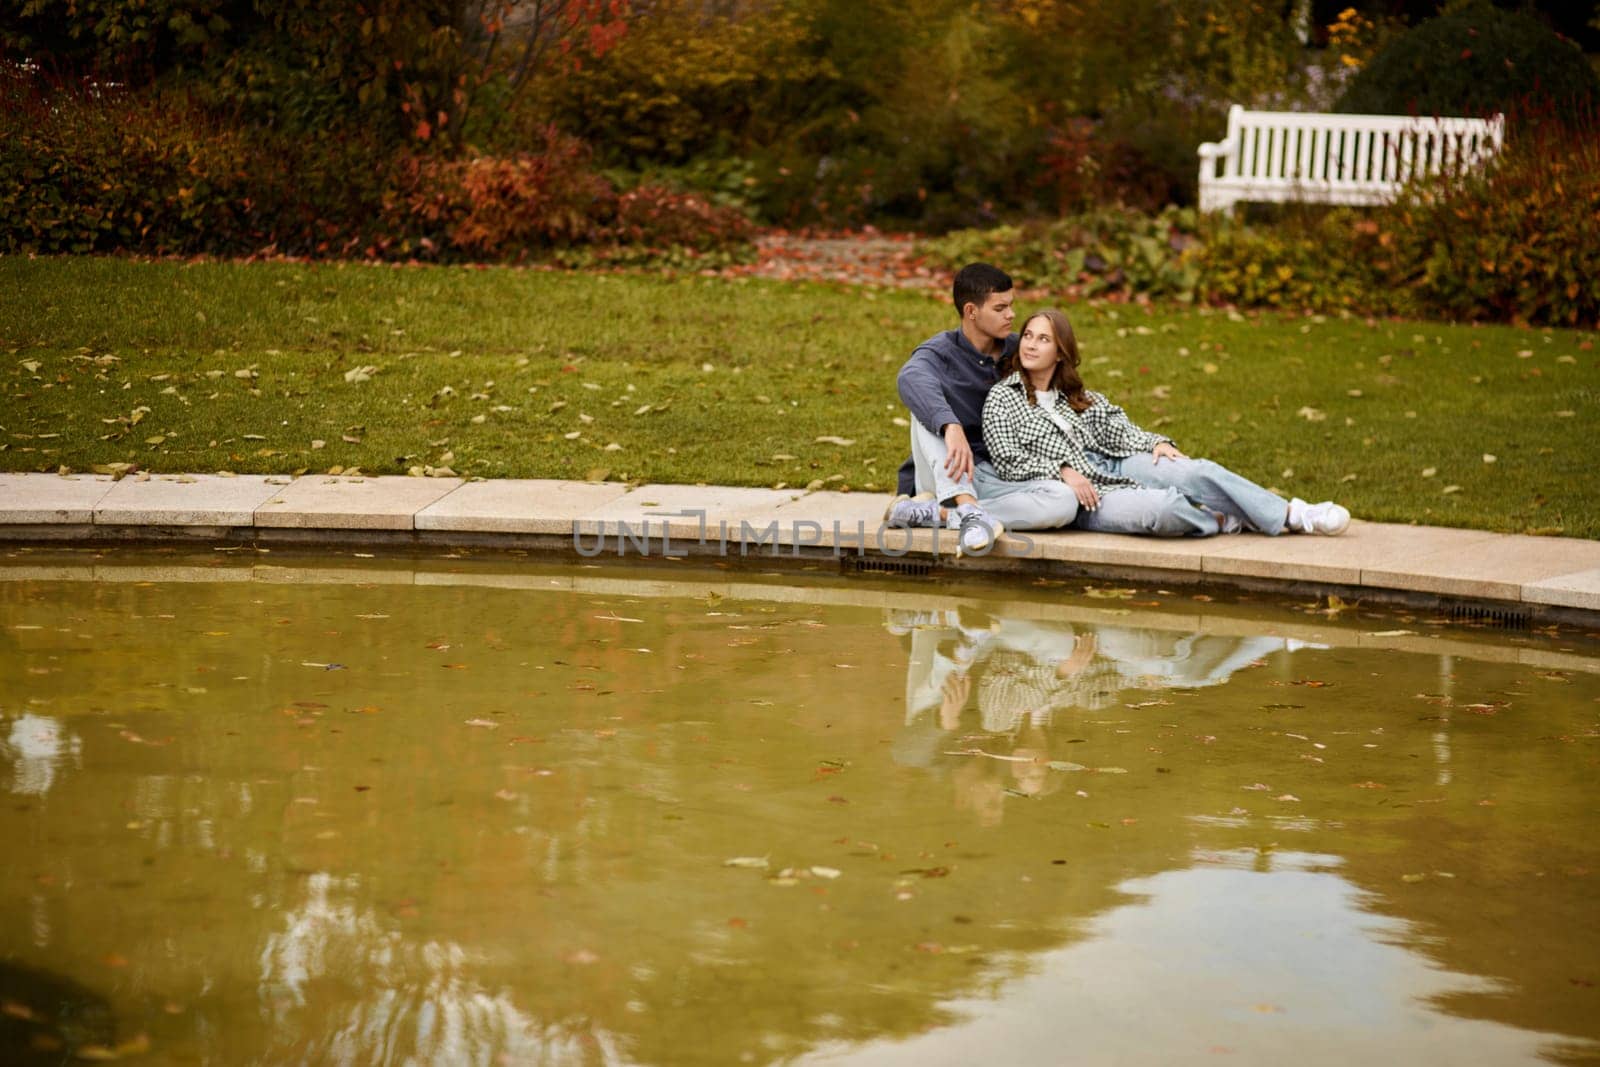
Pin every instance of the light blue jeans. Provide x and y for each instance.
(1042, 504)
(1176, 497)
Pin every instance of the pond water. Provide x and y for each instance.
(469, 811)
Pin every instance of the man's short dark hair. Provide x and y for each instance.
(976, 282)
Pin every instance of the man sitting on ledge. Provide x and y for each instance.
(949, 481)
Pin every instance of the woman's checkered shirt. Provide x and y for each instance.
(1026, 443)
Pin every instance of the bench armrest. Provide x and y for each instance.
(1214, 149)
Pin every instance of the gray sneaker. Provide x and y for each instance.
(979, 530)
(919, 510)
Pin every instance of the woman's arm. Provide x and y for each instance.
(1114, 433)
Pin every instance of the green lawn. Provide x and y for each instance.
(514, 373)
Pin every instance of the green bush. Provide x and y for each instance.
(1108, 252)
(153, 173)
(1516, 243)
(1320, 261)
(1475, 60)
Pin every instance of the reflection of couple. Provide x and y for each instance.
(1004, 434)
(1019, 674)
(1025, 671)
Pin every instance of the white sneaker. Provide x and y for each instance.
(1326, 518)
(979, 530)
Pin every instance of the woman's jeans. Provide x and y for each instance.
(1042, 504)
(1177, 498)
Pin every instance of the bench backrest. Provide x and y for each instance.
(1365, 149)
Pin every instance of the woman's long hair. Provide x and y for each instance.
(1065, 378)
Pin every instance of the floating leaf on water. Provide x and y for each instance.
(488, 724)
(826, 872)
(756, 863)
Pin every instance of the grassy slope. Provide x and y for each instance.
(788, 363)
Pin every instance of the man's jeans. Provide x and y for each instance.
(1042, 504)
(1165, 506)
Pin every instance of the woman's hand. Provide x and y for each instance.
(1082, 488)
(1166, 450)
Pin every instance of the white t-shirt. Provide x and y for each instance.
(1047, 404)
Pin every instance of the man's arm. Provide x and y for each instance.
(921, 387)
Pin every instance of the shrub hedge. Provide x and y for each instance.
(154, 173)
(1514, 243)
(1475, 60)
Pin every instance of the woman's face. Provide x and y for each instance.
(1038, 350)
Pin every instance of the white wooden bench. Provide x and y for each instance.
(1277, 156)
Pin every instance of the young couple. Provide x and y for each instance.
(1004, 434)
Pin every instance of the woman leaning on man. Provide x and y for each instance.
(1039, 421)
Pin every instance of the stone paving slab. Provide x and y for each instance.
(1112, 550)
(42, 498)
(1578, 590)
(668, 506)
(186, 500)
(831, 519)
(323, 502)
(1345, 560)
(533, 506)
(1494, 566)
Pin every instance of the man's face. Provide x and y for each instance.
(993, 320)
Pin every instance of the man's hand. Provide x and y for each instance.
(1082, 488)
(957, 687)
(1166, 450)
(958, 464)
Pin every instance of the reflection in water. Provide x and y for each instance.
(45, 1017)
(501, 831)
(36, 747)
(1020, 673)
(1240, 952)
(405, 1001)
